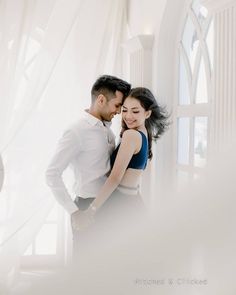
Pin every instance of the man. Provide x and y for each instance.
(86, 146)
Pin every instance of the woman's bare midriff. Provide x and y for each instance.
(131, 177)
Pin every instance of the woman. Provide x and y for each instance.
(143, 120)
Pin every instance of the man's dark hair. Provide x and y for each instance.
(108, 85)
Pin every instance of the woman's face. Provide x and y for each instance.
(133, 114)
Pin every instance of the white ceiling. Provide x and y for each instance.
(144, 16)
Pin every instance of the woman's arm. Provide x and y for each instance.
(130, 143)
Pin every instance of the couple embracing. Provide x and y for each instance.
(106, 176)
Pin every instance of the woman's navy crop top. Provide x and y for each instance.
(139, 160)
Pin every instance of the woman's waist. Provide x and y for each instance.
(127, 189)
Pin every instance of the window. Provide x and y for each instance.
(48, 248)
(194, 92)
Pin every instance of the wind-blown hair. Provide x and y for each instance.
(158, 122)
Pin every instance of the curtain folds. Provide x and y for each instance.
(1, 173)
(47, 67)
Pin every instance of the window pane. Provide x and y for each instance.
(200, 141)
(200, 11)
(183, 140)
(190, 42)
(210, 43)
(46, 240)
(184, 97)
(201, 93)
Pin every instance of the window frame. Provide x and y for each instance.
(193, 109)
(45, 261)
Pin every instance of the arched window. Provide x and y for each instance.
(194, 92)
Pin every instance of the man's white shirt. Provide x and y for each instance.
(86, 147)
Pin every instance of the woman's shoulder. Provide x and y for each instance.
(131, 134)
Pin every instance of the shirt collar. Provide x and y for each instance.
(95, 121)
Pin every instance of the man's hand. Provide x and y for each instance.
(81, 219)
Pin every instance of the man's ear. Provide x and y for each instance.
(148, 114)
(101, 99)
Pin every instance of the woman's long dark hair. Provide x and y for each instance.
(157, 123)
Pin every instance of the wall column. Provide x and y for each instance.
(223, 127)
(140, 53)
(140, 58)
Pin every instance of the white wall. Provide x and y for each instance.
(144, 17)
(165, 69)
(162, 19)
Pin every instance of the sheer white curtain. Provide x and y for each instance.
(47, 67)
(1, 173)
(28, 56)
